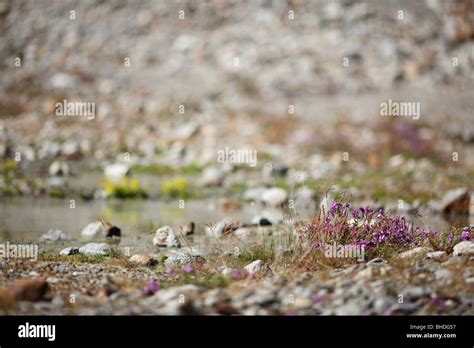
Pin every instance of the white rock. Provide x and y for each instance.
(418, 251)
(92, 230)
(69, 251)
(116, 172)
(54, 236)
(463, 248)
(255, 267)
(254, 194)
(58, 168)
(274, 196)
(212, 177)
(436, 255)
(226, 271)
(165, 237)
(95, 249)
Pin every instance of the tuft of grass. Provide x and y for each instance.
(126, 188)
(8, 166)
(154, 169)
(176, 188)
(114, 257)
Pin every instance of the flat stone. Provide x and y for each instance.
(418, 251)
(95, 249)
(436, 255)
(464, 248)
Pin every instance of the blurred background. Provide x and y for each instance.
(300, 82)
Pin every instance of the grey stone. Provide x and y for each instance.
(95, 249)
(54, 236)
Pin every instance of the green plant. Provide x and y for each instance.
(125, 188)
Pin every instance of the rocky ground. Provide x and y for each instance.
(169, 93)
(427, 283)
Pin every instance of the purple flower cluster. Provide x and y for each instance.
(465, 235)
(151, 287)
(365, 227)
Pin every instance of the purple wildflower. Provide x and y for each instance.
(465, 235)
(188, 269)
(238, 274)
(151, 287)
(319, 299)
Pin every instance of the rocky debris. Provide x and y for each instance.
(69, 251)
(464, 248)
(137, 290)
(93, 230)
(418, 251)
(58, 168)
(116, 172)
(274, 197)
(212, 176)
(165, 237)
(443, 274)
(144, 260)
(54, 236)
(112, 284)
(455, 202)
(94, 249)
(29, 290)
(177, 300)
